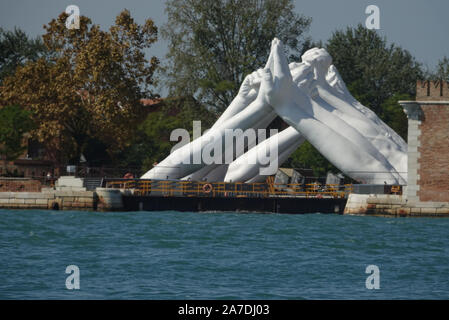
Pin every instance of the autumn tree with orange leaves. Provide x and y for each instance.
(89, 87)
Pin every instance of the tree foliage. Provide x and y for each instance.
(213, 45)
(306, 156)
(90, 88)
(152, 142)
(14, 123)
(393, 114)
(16, 48)
(442, 71)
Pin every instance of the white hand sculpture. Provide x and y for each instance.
(188, 159)
(312, 98)
(340, 143)
(362, 119)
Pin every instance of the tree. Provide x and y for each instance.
(16, 48)
(393, 114)
(152, 142)
(14, 123)
(442, 69)
(306, 156)
(213, 45)
(91, 86)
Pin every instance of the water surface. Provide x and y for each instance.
(178, 255)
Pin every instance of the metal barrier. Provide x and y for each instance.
(170, 188)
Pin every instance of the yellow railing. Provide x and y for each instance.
(222, 189)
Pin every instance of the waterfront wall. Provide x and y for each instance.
(109, 199)
(65, 199)
(393, 205)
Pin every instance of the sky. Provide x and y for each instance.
(421, 27)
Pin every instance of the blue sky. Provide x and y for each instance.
(418, 26)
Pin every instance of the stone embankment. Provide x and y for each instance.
(68, 194)
(393, 205)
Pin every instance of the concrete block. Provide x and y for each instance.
(432, 204)
(69, 181)
(395, 199)
(442, 210)
(413, 142)
(413, 156)
(30, 201)
(78, 204)
(42, 202)
(428, 210)
(4, 201)
(32, 195)
(67, 204)
(16, 201)
(89, 201)
(70, 189)
(415, 210)
(70, 193)
(83, 194)
(47, 194)
(412, 188)
(5, 195)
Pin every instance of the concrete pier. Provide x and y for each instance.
(68, 194)
(393, 205)
(49, 199)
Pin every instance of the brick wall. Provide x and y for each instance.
(19, 185)
(433, 172)
(432, 91)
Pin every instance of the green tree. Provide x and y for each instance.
(393, 114)
(306, 156)
(14, 123)
(152, 141)
(16, 48)
(89, 90)
(442, 71)
(213, 45)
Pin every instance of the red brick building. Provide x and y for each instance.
(428, 141)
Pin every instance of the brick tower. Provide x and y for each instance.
(428, 146)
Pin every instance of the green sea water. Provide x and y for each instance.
(178, 255)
